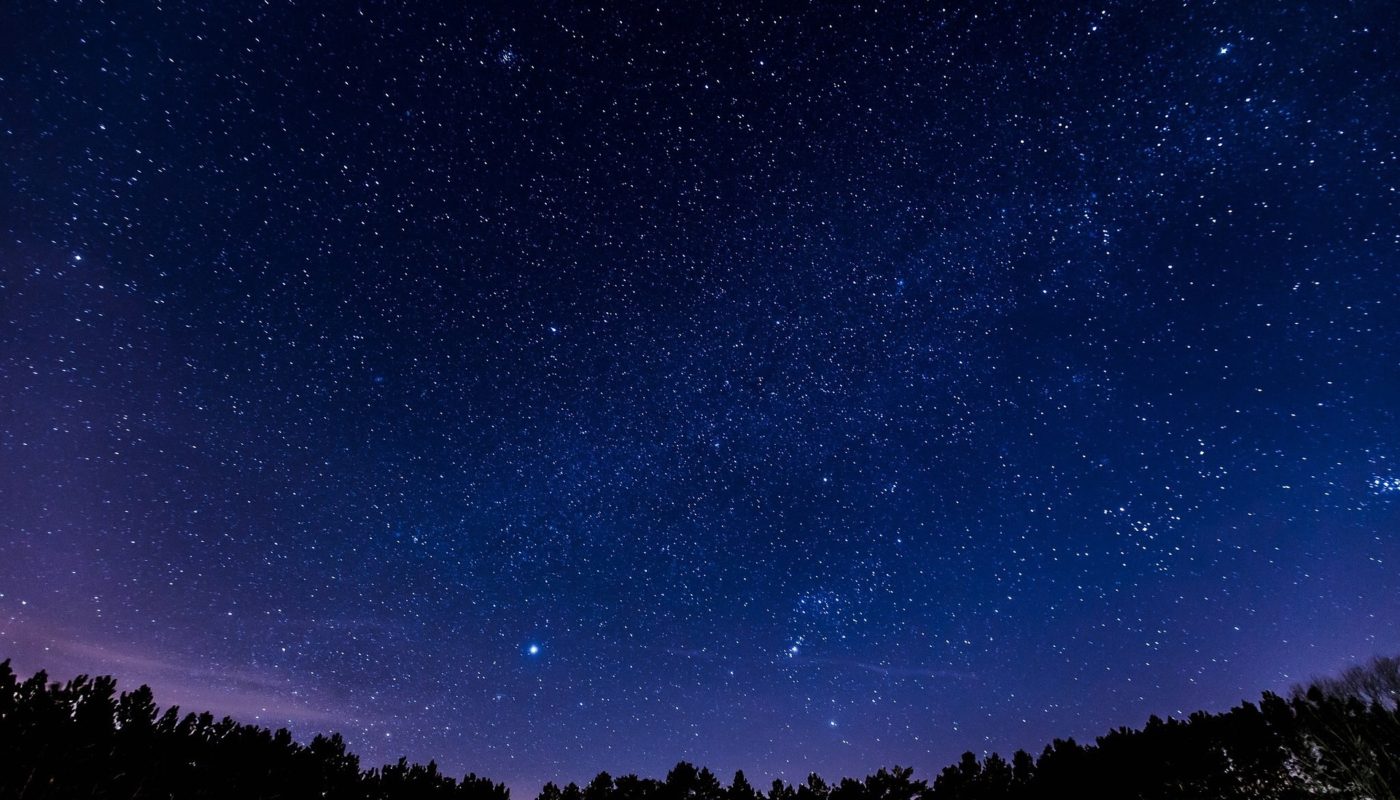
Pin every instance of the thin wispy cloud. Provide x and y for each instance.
(247, 694)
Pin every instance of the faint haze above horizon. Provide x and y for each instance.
(783, 388)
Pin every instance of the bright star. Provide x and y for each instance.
(534, 650)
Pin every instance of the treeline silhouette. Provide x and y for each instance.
(81, 739)
(1338, 737)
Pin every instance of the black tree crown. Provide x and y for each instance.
(1338, 737)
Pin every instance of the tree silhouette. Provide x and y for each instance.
(740, 789)
(82, 739)
(1338, 737)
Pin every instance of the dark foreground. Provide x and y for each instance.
(1337, 738)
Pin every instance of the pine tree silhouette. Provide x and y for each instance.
(1338, 737)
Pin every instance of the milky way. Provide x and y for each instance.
(545, 389)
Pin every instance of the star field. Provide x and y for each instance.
(553, 388)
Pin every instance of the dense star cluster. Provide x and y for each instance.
(548, 388)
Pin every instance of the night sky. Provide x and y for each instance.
(545, 388)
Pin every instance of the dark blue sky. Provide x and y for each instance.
(781, 387)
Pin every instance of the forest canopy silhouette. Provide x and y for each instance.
(1336, 737)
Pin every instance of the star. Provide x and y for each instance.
(925, 352)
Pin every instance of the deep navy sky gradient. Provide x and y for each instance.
(545, 388)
